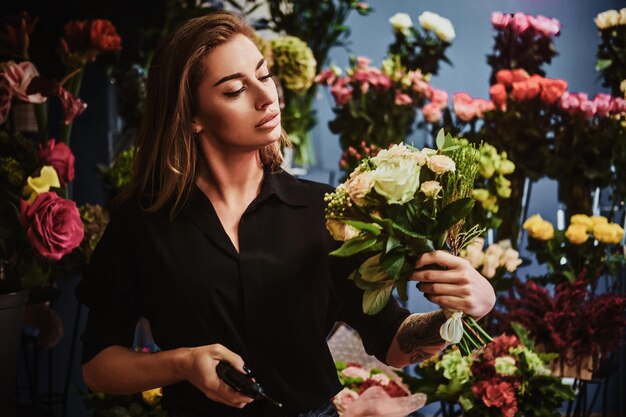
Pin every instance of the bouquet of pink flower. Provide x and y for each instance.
(372, 392)
(400, 204)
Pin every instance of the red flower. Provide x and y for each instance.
(499, 394)
(103, 36)
(53, 225)
(72, 105)
(60, 157)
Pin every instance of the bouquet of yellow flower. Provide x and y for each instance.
(589, 247)
(398, 205)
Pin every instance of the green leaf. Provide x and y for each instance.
(452, 213)
(392, 243)
(392, 263)
(354, 246)
(603, 63)
(420, 245)
(523, 334)
(441, 137)
(376, 300)
(370, 228)
(402, 291)
(372, 271)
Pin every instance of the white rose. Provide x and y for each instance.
(622, 16)
(401, 22)
(355, 372)
(607, 19)
(474, 255)
(360, 186)
(440, 25)
(430, 188)
(490, 264)
(397, 180)
(382, 378)
(495, 250)
(440, 164)
(511, 260)
(341, 231)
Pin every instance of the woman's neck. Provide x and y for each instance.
(232, 180)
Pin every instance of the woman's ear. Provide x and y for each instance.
(196, 127)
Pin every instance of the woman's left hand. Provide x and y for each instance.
(458, 287)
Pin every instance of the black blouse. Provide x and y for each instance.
(273, 303)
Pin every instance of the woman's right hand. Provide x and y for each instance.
(200, 371)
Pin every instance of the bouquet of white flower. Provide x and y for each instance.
(400, 204)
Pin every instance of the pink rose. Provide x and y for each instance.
(53, 225)
(421, 86)
(569, 102)
(618, 105)
(533, 86)
(498, 94)
(60, 157)
(326, 77)
(505, 77)
(588, 108)
(483, 106)
(439, 97)
(552, 90)
(432, 112)
(383, 82)
(19, 77)
(363, 62)
(463, 106)
(500, 20)
(546, 26)
(603, 104)
(520, 23)
(340, 92)
(402, 99)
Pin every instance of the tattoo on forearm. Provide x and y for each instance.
(420, 334)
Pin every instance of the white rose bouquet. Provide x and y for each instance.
(398, 205)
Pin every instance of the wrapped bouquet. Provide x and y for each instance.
(400, 204)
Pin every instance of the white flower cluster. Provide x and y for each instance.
(442, 27)
(610, 18)
(497, 255)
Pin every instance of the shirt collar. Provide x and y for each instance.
(288, 189)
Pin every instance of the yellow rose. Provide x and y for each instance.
(582, 220)
(607, 19)
(596, 220)
(152, 396)
(538, 228)
(576, 233)
(610, 233)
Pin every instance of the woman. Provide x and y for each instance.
(227, 256)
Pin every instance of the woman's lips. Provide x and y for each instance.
(269, 122)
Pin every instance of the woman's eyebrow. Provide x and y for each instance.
(237, 74)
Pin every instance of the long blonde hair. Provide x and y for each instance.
(165, 161)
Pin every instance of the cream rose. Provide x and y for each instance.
(576, 233)
(440, 25)
(440, 164)
(490, 265)
(430, 188)
(397, 180)
(510, 259)
(360, 186)
(401, 22)
(341, 231)
(607, 19)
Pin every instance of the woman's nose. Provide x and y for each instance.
(266, 95)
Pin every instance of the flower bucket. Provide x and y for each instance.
(583, 370)
(11, 314)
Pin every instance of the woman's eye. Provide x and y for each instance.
(235, 93)
(266, 77)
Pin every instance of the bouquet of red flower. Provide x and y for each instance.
(573, 322)
(373, 392)
(505, 378)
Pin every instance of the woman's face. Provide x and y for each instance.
(238, 106)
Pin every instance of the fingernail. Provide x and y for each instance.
(246, 369)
